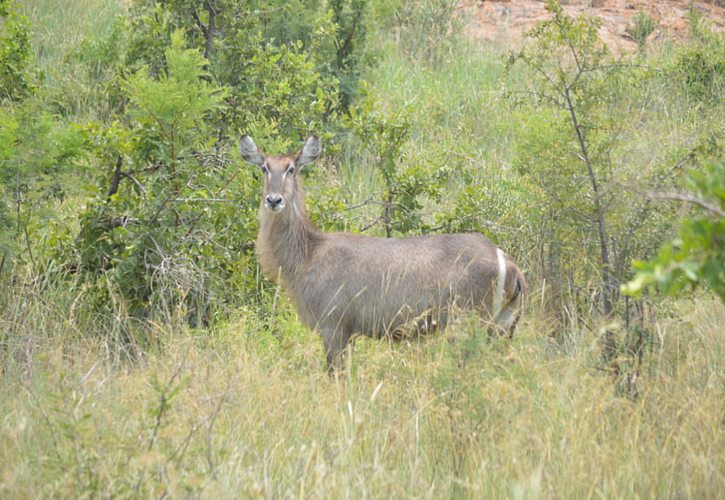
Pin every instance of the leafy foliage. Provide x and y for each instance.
(164, 229)
(425, 28)
(171, 109)
(151, 230)
(405, 183)
(696, 256)
(700, 66)
(288, 65)
(350, 20)
(15, 77)
(566, 153)
(40, 157)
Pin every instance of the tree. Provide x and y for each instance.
(569, 62)
(593, 218)
(290, 67)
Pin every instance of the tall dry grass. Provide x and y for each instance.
(247, 411)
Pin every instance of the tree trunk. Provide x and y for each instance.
(210, 29)
(600, 220)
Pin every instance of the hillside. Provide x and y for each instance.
(507, 20)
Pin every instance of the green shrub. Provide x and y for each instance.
(15, 76)
(172, 223)
(700, 66)
(151, 230)
(41, 159)
(304, 57)
(405, 180)
(696, 256)
(426, 29)
(644, 25)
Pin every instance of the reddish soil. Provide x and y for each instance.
(507, 20)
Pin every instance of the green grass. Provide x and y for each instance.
(246, 410)
(62, 29)
(61, 26)
(458, 101)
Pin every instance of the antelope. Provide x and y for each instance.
(344, 284)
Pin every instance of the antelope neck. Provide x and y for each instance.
(285, 241)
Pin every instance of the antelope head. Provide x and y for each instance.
(280, 183)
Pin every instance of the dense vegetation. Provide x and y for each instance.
(141, 352)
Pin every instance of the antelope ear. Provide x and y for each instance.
(311, 151)
(250, 152)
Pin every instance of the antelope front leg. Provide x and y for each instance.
(335, 342)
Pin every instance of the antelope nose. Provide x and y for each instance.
(274, 201)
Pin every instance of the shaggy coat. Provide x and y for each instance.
(344, 284)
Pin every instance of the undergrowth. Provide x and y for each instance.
(245, 410)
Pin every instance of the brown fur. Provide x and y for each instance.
(345, 284)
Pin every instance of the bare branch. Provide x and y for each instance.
(542, 96)
(205, 200)
(377, 221)
(640, 216)
(135, 181)
(688, 198)
(369, 201)
(123, 221)
(549, 79)
(113, 189)
(200, 23)
(576, 57)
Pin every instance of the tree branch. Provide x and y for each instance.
(205, 200)
(688, 198)
(113, 188)
(200, 23)
(135, 181)
(599, 210)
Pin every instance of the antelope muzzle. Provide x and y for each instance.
(274, 202)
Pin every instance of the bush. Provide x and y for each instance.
(150, 232)
(700, 66)
(425, 29)
(171, 224)
(15, 76)
(696, 256)
(644, 25)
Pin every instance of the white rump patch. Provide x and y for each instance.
(498, 295)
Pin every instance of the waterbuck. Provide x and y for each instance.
(346, 284)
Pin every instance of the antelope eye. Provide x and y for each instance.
(291, 169)
(265, 169)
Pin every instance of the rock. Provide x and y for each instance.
(505, 21)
